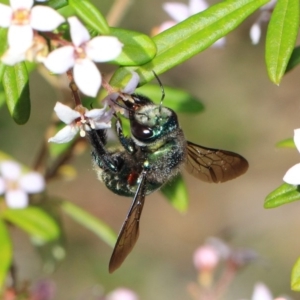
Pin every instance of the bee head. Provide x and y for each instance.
(149, 121)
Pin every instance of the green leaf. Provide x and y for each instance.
(286, 193)
(5, 252)
(176, 193)
(16, 88)
(95, 225)
(2, 96)
(295, 279)
(90, 15)
(287, 143)
(176, 99)
(138, 48)
(3, 40)
(294, 59)
(188, 38)
(35, 221)
(56, 4)
(281, 37)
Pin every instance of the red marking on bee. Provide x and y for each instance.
(132, 178)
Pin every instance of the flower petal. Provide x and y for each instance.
(87, 77)
(11, 57)
(2, 186)
(292, 176)
(95, 113)
(20, 37)
(176, 11)
(79, 33)
(196, 6)
(103, 48)
(21, 4)
(16, 199)
(45, 18)
(5, 15)
(164, 26)
(219, 43)
(65, 113)
(132, 84)
(65, 135)
(10, 170)
(32, 183)
(297, 138)
(261, 292)
(122, 294)
(60, 60)
(255, 33)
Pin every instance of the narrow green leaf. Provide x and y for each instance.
(90, 15)
(176, 193)
(285, 193)
(56, 4)
(294, 59)
(16, 88)
(176, 99)
(35, 221)
(190, 37)
(5, 253)
(97, 226)
(2, 96)
(287, 143)
(281, 37)
(295, 278)
(138, 48)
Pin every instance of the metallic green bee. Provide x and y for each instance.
(150, 157)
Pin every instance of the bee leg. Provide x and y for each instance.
(127, 143)
(100, 155)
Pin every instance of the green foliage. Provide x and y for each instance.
(5, 252)
(176, 193)
(35, 221)
(294, 59)
(285, 193)
(281, 37)
(190, 37)
(16, 87)
(287, 143)
(56, 4)
(138, 48)
(90, 15)
(95, 225)
(295, 278)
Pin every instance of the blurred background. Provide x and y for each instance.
(244, 113)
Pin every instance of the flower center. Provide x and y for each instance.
(79, 53)
(21, 17)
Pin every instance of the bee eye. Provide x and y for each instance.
(141, 132)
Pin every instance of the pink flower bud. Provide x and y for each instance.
(206, 258)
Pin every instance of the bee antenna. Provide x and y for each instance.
(162, 90)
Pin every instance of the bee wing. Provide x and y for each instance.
(214, 165)
(130, 229)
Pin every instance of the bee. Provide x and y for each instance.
(151, 157)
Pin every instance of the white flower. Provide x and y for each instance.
(81, 55)
(255, 30)
(79, 120)
(17, 186)
(37, 52)
(292, 176)
(122, 294)
(261, 292)
(179, 12)
(22, 19)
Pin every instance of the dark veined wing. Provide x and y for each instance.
(130, 230)
(213, 165)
